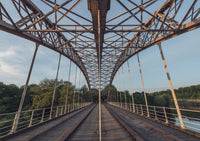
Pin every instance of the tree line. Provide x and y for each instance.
(40, 95)
(161, 98)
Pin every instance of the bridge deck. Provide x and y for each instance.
(117, 124)
(47, 127)
(149, 130)
(111, 129)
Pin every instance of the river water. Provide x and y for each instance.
(190, 124)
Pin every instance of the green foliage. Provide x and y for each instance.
(9, 98)
(162, 100)
(42, 94)
(192, 92)
(121, 96)
(105, 91)
(39, 96)
(85, 93)
(95, 95)
(2, 108)
(114, 94)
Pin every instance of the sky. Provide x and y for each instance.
(181, 54)
(15, 58)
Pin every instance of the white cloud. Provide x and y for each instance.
(11, 69)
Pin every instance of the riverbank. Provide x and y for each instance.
(187, 104)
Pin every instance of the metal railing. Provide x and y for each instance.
(29, 118)
(167, 115)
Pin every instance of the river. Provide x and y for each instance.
(190, 124)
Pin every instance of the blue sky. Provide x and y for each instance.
(182, 55)
(15, 58)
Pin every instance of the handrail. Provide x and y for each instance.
(32, 117)
(168, 115)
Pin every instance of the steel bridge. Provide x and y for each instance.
(99, 36)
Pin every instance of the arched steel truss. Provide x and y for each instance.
(126, 27)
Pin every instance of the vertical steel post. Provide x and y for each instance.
(55, 7)
(61, 111)
(74, 90)
(141, 109)
(117, 85)
(131, 87)
(115, 95)
(78, 102)
(109, 95)
(124, 88)
(171, 87)
(31, 120)
(99, 68)
(81, 99)
(17, 116)
(81, 92)
(120, 91)
(145, 97)
(156, 118)
(68, 107)
(55, 85)
(42, 119)
(76, 73)
(166, 119)
(57, 111)
(79, 89)
(117, 99)
(66, 99)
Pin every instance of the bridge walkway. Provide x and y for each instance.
(149, 130)
(117, 124)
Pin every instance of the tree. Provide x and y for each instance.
(95, 95)
(85, 93)
(42, 94)
(139, 98)
(162, 100)
(9, 98)
(104, 93)
(67, 89)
